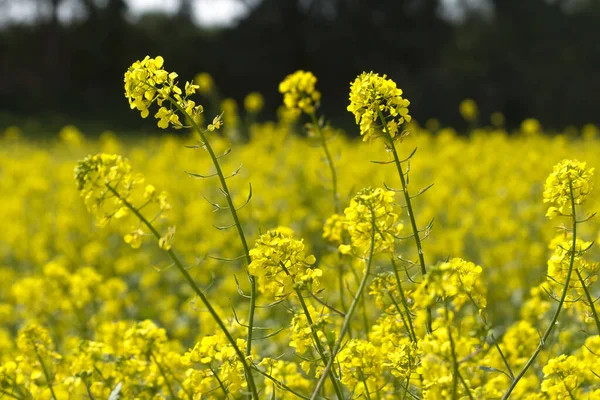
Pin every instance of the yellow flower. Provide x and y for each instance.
(254, 102)
(204, 82)
(373, 96)
(468, 109)
(299, 92)
(567, 175)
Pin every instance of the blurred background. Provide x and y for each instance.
(62, 61)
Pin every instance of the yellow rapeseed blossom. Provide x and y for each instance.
(372, 95)
(205, 82)
(299, 93)
(468, 109)
(371, 217)
(254, 102)
(567, 176)
(281, 264)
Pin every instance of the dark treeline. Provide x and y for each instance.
(525, 58)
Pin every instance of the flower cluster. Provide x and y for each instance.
(301, 329)
(370, 217)
(146, 82)
(281, 264)
(568, 176)
(110, 190)
(373, 97)
(361, 366)
(334, 228)
(209, 355)
(456, 280)
(299, 93)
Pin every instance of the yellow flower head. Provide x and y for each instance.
(299, 92)
(205, 82)
(281, 264)
(147, 82)
(372, 97)
(569, 178)
(468, 109)
(254, 102)
(368, 206)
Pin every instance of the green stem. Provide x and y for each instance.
(589, 299)
(404, 303)
(162, 373)
(336, 200)
(283, 385)
(456, 371)
(46, 373)
(315, 335)
(345, 325)
(236, 220)
(196, 290)
(409, 208)
(558, 309)
(14, 396)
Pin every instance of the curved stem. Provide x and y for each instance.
(236, 220)
(279, 383)
(336, 200)
(558, 309)
(319, 346)
(589, 299)
(46, 373)
(409, 208)
(164, 375)
(196, 289)
(349, 314)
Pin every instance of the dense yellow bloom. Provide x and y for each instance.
(301, 330)
(468, 109)
(147, 82)
(371, 217)
(361, 366)
(372, 95)
(334, 228)
(281, 264)
(254, 102)
(562, 376)
(567, 176)
(205, 82)
(457, 280)
(299, 92)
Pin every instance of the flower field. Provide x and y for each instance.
(201, 265)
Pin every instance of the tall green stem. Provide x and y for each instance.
(558, 309)
(409, 208)
(589, 299)
(236, 220)
(46, 373)
(346, 324)
(319, 346)
(196, 289)
(336, 200)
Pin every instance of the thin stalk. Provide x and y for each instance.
(315, 335)
(46, 373)
(236, 220)
(14, 396)
(558, 309)
(589, 299)
(162, 373)
(345, 325)
(496, 345)
(196, 290)
(409, 208)
(455, 367)
(283, 385)
(404, 303)
(336, 200)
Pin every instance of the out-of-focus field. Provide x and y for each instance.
(79, 281)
